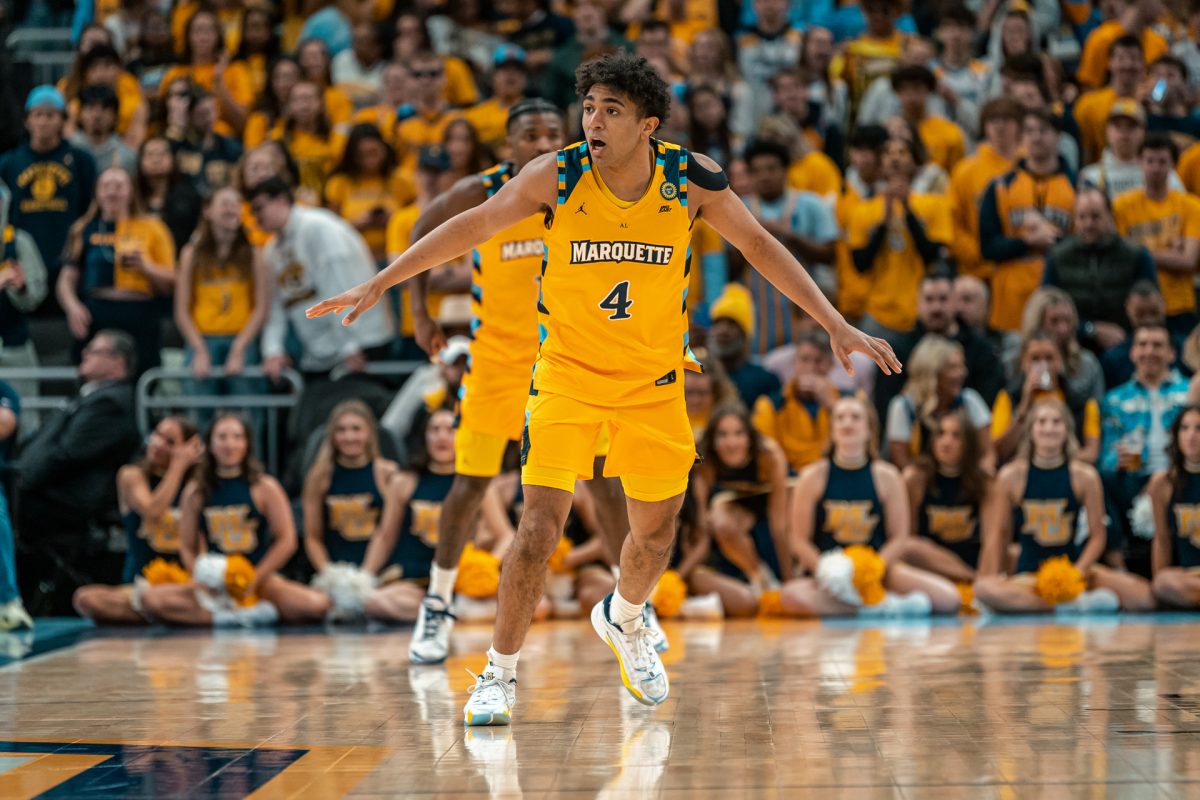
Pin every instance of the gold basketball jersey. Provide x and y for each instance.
(505, 273)
(613, 308)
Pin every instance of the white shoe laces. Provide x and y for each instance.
(644, 654)
(431, 621)
(490, 691)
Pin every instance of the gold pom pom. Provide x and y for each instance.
(239, 576)
(966, 590)
(868, 573)
(669, 594)
(770, 604)
(478, 573)
(558, 559)
(161, 572)
(1059, 581)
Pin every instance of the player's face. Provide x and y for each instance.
(534, 135)
(350, 436)
(439, 437)
(165, 436)
(1189, 436)
(228, 444)
(948, 443)
(849, 425)
(613, 125)
(732, 441)
(1049, 430)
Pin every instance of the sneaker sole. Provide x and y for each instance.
(474, 719)
(413, 658)
(600, 625)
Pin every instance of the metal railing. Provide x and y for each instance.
(44, 402)
(271, 404)
(48, 50)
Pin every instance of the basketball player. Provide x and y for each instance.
(619, 210)
(504, 292)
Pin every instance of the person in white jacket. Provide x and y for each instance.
(23, 284)
(314, 253)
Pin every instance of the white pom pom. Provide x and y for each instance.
(835, 574)
(1141, 517)
(209, 571)
(348, 587)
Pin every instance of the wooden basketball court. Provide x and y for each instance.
(1093, 708)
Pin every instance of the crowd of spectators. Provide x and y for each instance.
(1004, 189)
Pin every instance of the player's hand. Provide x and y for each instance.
(430, 336)
(847, 339)
(359, 300)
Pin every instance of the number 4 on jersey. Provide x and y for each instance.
(618, 301)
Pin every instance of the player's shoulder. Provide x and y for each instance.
(705, 173)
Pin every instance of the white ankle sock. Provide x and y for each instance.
(625, 615)
(441, 582)
(505, 666)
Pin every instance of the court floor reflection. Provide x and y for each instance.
(1012, 708)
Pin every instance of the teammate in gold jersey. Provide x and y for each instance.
(612, 314)
(504, 292)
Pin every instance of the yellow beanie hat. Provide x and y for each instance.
(735, 304)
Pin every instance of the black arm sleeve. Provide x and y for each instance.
(928, 250)
(704, 178)
(864, 257)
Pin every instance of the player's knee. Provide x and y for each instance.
(538, 533)
(740, 603)
(945, 599)
(1139, 599)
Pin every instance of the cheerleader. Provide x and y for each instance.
(345, 498)
(1038, 499)
(741, 489)
(148, 497)
(231, 507)
(947, 489)
(854, 498)
(1175, 495)
(418, 495)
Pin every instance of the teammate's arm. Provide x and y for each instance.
(468, 193)
(396, 494)
(893, 495)
(312, 501)
(726, 213)
(190, 507)
(805, 497)
(777, 511)
(996, 525)
(531, 191)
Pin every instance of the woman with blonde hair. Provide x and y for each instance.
(937, 373)
(852, 497)
(348, 496)
(1040, 499)
(1052, 310)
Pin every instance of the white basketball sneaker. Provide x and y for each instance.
(650, 620)
(492, 699)
(642, 670)
(431, 635)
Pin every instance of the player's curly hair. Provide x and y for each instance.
(631, 76)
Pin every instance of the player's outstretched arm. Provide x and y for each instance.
(725, 212)
(533, 190)
(468, 193)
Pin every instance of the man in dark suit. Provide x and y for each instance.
(67, 476)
